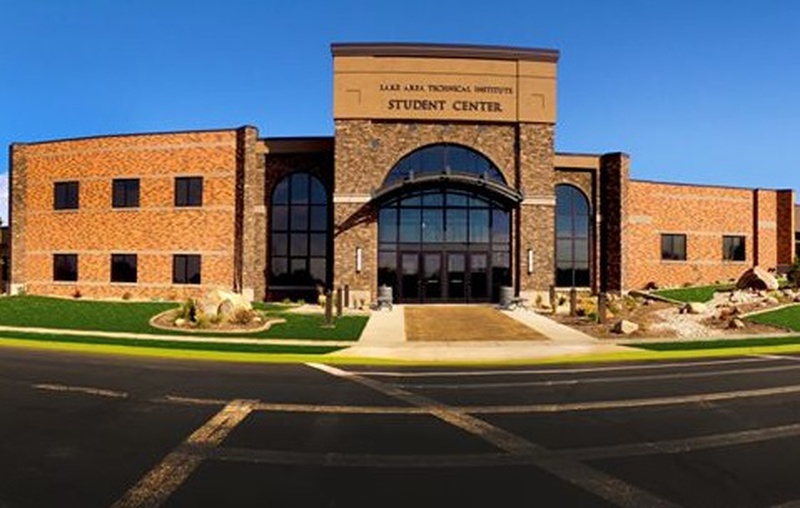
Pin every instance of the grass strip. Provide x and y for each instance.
(700, 294)
(787, 317)
(169, 344)
(716, 344)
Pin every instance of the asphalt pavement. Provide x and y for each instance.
(91, 430)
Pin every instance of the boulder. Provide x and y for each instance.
(180, 322)
(694, 308)
(771, 300)
(736, 323)
(797, 299)
(757, 278)
(625, 327)
(219, 302)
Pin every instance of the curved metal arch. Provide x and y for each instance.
(497, 191)
(411, 164)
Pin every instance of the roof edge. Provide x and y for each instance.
(410, 49)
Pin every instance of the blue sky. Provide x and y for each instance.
(694, 91)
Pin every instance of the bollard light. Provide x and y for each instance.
(530, 261)
(358, 259)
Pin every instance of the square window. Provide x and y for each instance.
(123, 268)
(189, 191)
(733, 248)
(125, 193)
(186, 269)
(65, 196)
(65, 267)
(673, 247)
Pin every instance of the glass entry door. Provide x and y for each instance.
(444, 246)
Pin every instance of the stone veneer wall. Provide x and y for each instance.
(275, 168)
(366, 151)
(704, 214)
(614, 212)
(154, 231)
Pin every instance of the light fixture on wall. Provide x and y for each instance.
(358, 259)
(530, 261)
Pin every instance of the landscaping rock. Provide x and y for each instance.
(736, 323)
(219, 302)
(771, 300)
(180, 322)
(694, 308)
(625, 327)
(757, 278)
(797, 299)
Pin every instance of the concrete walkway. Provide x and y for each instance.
(385, 338)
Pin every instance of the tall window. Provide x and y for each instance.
(65, 267)
(299, 233)
(797, 245)
(673, 247)
(65, 196)
(733, 248)
(186, 269)
(189, 191)
(123, 268)
(125, 193)
(573, 237)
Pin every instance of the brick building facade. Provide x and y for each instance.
(441, 181)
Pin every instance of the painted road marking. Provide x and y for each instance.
(164, 479)
(614, 379)
(632, 403)
(596, 482)
(100, 392)
(465, 373)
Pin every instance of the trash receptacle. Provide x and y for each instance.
(385, 297)
(506, 296)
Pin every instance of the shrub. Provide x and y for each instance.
(76, 293)
(188, 310)
(126, 295)
(793, 275)
(242, 316)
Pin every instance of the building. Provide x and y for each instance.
(4, 235)
(441, 180)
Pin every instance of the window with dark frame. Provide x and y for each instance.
(186, 269)
(125, 193)
(65, 267)
(673, 247)
(573, 237)
(299, 233)
(189, 191)
(65, 196)
(123, 268)
(733, 248)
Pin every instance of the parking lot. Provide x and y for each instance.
(102, 431)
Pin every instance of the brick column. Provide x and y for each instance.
(786, 227)
(614, 175)
(536, 215)
(250, 230)
(16, 217)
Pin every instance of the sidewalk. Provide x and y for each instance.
(385, 338)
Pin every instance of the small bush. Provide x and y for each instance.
(188, 310)
(76, 293)
(242, 316)
(793, 275)
(127, 295)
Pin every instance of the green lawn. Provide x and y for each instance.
(133, 317)
(715, 344)
(693, 294)
(787, 317)
(176, 344)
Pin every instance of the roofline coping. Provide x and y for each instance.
(710, 185)
(130, 134)
(415, 49)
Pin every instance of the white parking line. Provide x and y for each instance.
(631, 403)
(164, 479)
(100, 392)
(518, 372)
(598, 483)
(590, 380)
(684, 445)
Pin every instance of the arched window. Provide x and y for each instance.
(298, 235)
(445, 158)
(573, 237)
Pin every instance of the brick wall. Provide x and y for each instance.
(154, 231)
(704, 214)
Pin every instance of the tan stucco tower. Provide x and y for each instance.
(393, 99)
